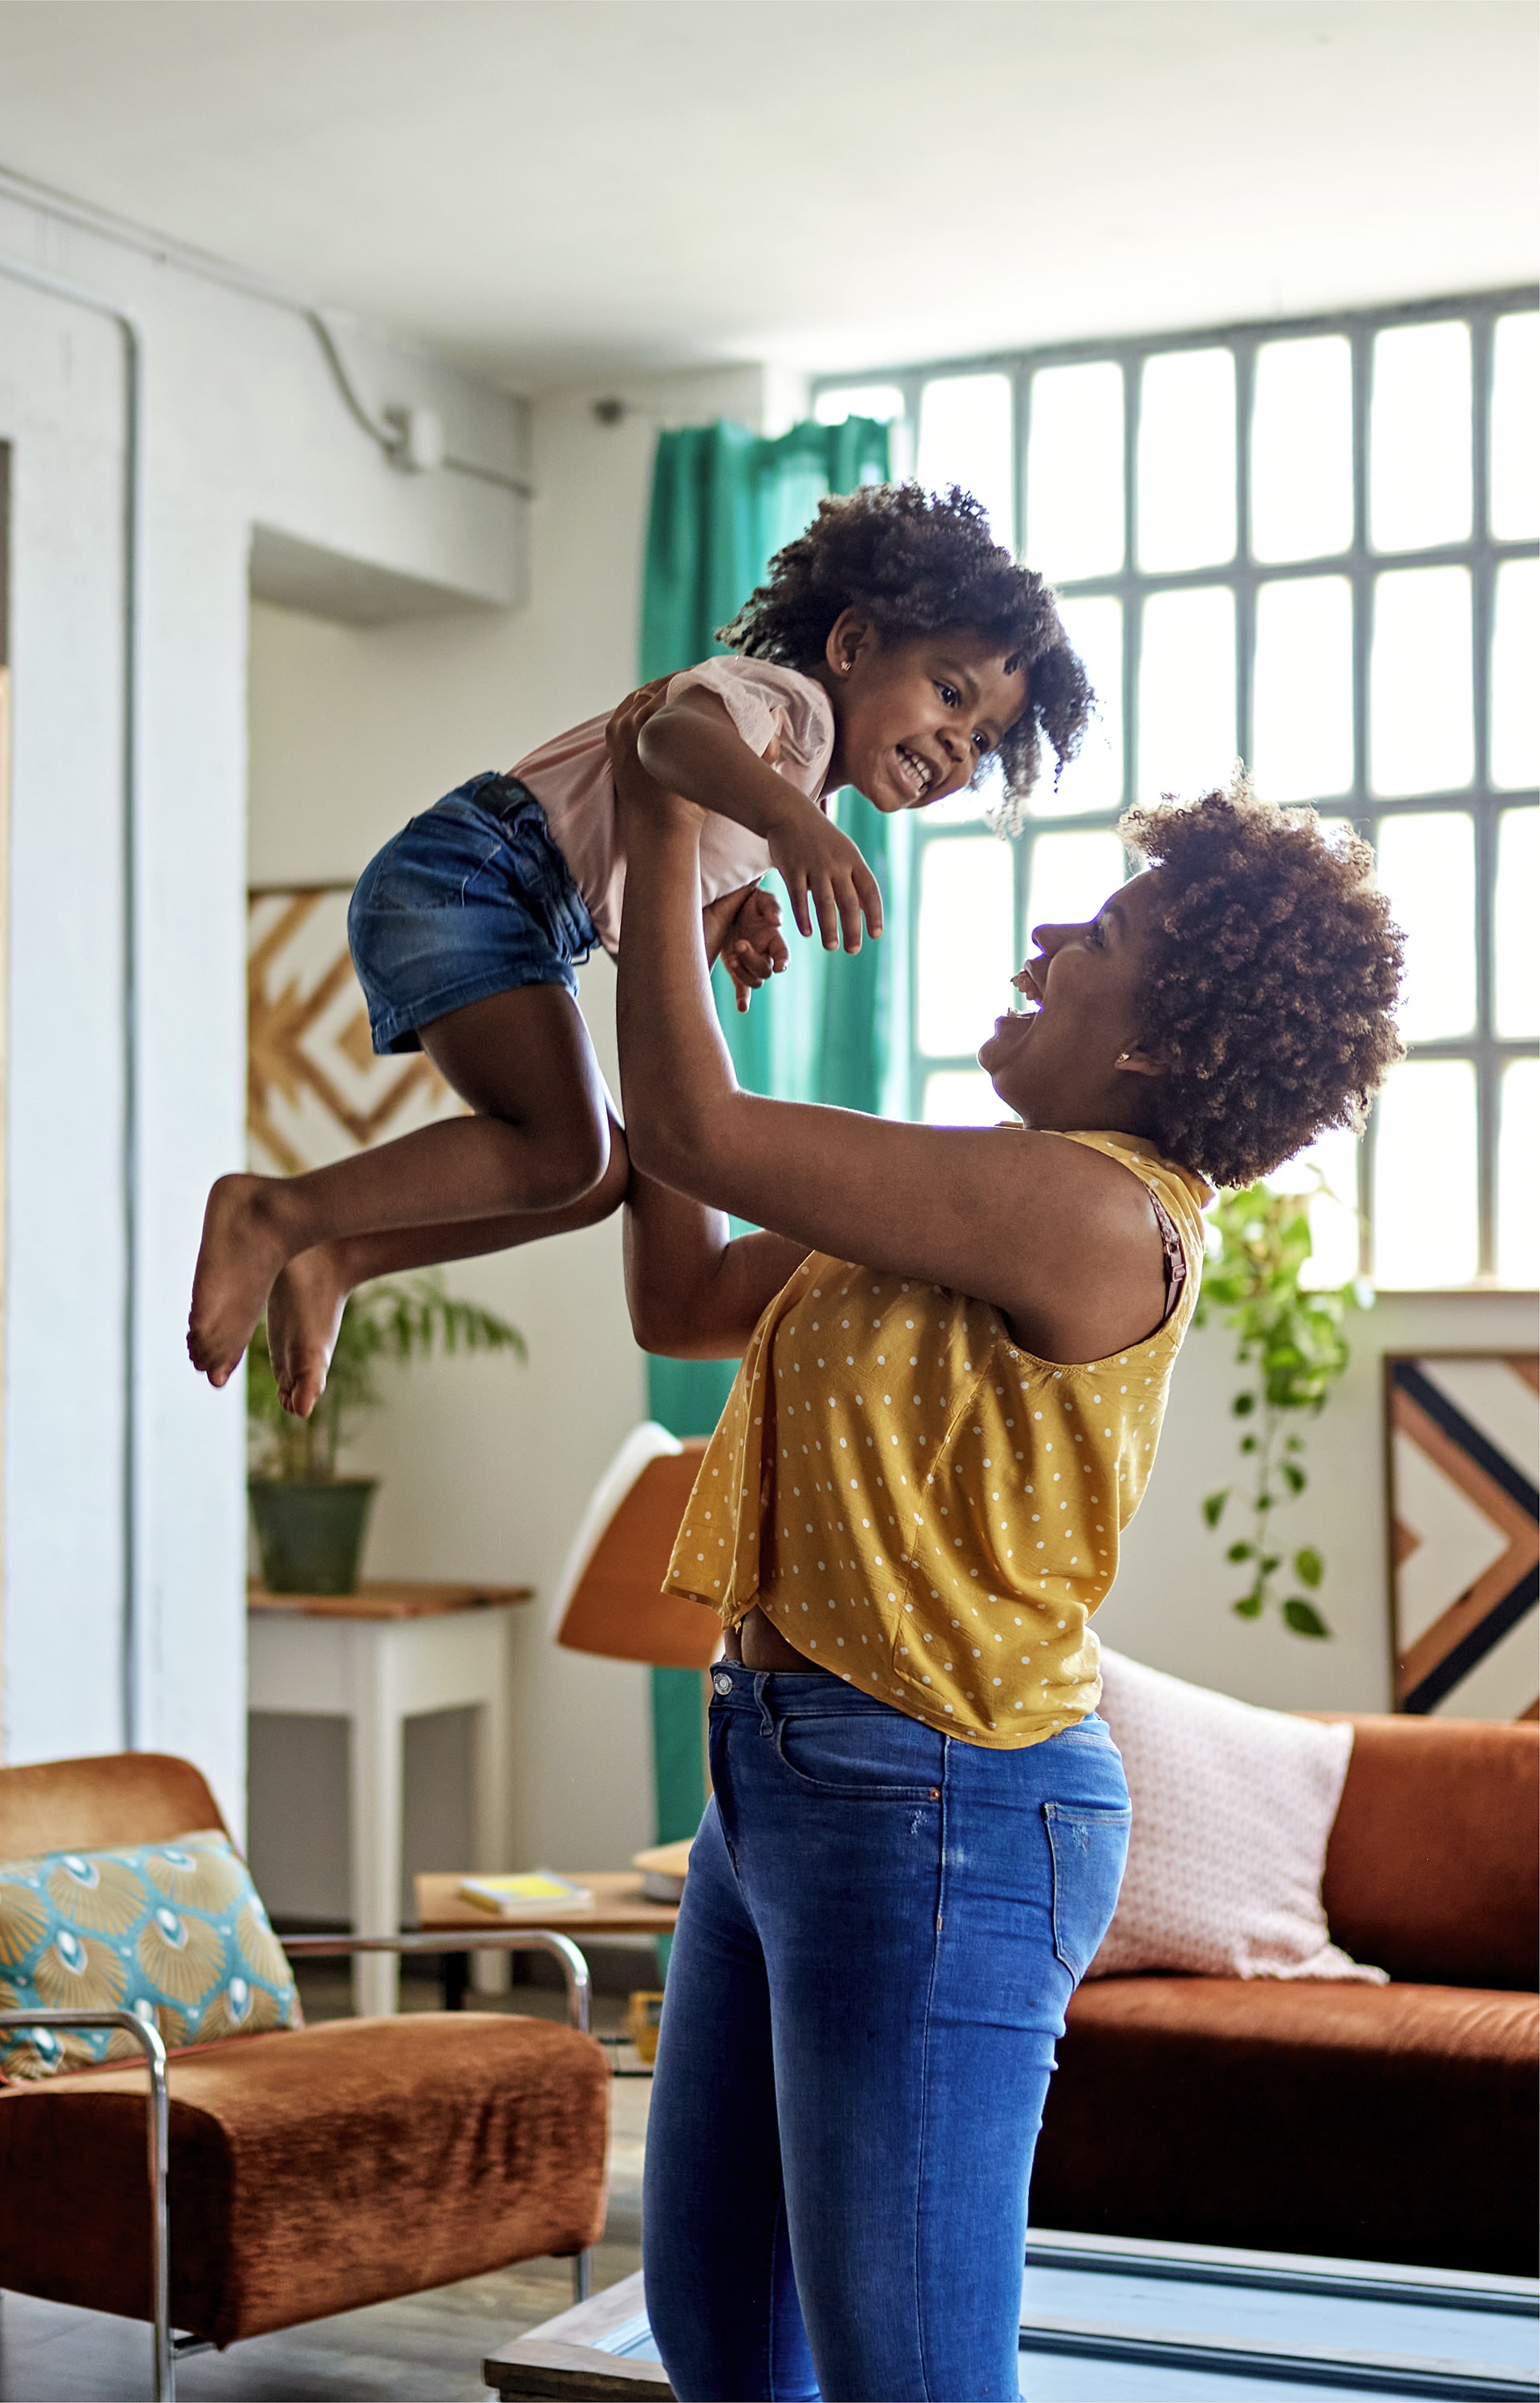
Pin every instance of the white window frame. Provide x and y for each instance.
(1362, 565)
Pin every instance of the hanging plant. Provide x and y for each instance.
(1291, 1340)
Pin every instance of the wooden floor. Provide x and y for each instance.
(430, 2346)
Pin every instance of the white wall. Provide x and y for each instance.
(1170, 1605)
(243, 427)
(488, 1466)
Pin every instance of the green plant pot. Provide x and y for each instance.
(310, 1536)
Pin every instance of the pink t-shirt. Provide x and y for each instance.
(781, 715)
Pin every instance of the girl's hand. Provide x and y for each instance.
(754, 947)
(634, 787)
(823, 872)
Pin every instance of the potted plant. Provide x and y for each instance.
(309, 1522)
(1290, 1340)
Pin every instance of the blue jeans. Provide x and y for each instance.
(880, 1931)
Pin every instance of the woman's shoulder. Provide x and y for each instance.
(1181, 1193)
(1137, 1154)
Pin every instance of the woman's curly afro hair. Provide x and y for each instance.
(1275, 975)
(919, 563)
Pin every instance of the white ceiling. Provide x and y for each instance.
(567, 189)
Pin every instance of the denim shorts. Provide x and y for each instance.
(469, 899)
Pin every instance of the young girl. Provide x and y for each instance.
(894, 647)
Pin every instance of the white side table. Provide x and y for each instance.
(377, 1658)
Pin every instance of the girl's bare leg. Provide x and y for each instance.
(305, 1306)
(539, 1143)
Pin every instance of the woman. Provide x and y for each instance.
(957, 1349)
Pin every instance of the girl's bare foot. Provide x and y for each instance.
(304, 1312)
(240, 1253)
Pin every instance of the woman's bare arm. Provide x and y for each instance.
(1057, 1236)
(696, 1291)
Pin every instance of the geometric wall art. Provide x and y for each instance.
(1464, 1444)
(315, 1090)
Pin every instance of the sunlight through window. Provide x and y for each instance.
(1516, 1004)
(1427, 871)
(1419, 437)
(1515, 652)
(1094, 781)
(1518, 1174)
(1074, 472)
(1422, 737)
(1187, 692)
(1071, 875)
(1301, 450)
(966, 437)
(962, 1097)
(965, 941)
(1425, 1175)
(1310, 583)
(1514, 469)
(1302, 691)
(1187, 460)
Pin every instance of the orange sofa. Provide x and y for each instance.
(1384, 2123)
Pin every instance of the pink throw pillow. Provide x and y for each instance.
(1232, 1811)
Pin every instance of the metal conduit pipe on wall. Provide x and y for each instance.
(396, 432)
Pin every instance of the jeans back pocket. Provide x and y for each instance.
(1090, 1848)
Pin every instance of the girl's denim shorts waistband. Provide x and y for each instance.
(471, 898)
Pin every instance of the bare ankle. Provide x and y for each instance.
(277, 1214)
(341, 1264)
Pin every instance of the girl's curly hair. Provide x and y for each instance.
(919, 563)
(1277, 968)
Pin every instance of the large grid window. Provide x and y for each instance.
(1310, 544)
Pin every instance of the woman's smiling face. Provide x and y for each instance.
(1075, 1057)
(917, 717)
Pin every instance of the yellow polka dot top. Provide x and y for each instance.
(921, 1505)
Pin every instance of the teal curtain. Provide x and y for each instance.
(724, 500)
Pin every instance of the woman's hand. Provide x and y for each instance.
(634, 789)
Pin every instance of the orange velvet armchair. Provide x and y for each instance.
(284, 2176)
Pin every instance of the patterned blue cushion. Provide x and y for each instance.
(175, 1932)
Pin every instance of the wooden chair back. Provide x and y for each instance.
(106, 1800)
(612, 1599)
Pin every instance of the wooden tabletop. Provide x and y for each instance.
(618, 1906)
(389, 1598)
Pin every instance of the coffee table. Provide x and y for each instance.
(1168, 2322)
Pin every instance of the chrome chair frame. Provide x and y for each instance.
(167, 2347)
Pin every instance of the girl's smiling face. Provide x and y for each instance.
(1077, 1055)
(915, 717)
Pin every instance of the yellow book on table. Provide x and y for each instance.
(525, 1893)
